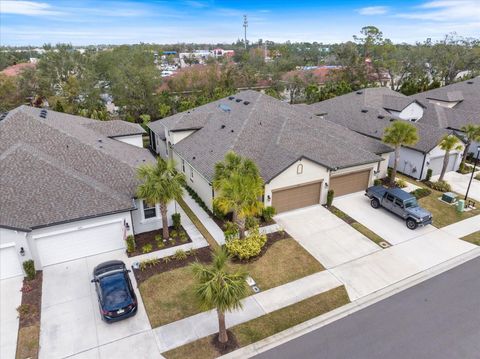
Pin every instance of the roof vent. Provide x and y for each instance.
(392, 119)
(222, 127)
(224, 108)
(3, 115)
(43, 113)
(364, 110)
(231, 98)
(238, 100)
(359, 92)
(100, 140)
(381, 117)
(194, 157)
(470, 82)
(232, 131)
(246, 102)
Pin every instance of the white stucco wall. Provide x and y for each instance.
(412, 111)
(176, 136)
(140, 224)
(135, 140)
(312, 172)
(382, 166)
(410, 162)
(18, 239)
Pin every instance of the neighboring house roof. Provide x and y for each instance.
(116, 128)
(16, 69)
(56, 169)
(466, 111)
(271, 132)
(364, 112)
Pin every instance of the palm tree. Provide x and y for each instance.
(220, 288)
(448, 143)
(239, 187)
(400, 133)
(471, 133)
(161, 183)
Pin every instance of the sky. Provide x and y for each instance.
(84, 22)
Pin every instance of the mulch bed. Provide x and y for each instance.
(224, 348)
(30, 309)
(271, 239)
(149, 238)
(203, 255)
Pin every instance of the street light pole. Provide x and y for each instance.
(473, 172)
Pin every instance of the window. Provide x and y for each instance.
(183, 166)
(390, 197)
(149, 211)
(299, 169)
(399, 203)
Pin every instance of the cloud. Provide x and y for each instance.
(196, 4)
(445, 10)
(373, 10)
(29, 8)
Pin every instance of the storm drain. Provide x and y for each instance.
(383, 244)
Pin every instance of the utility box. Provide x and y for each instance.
(460, 205)
(449, 197)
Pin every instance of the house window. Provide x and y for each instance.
(183, 166)
(149, 211)
(299, 169)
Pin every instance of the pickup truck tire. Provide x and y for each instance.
(375, 203)
(411, 224)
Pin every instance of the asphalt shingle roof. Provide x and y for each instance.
(57, 169)
(271, 132)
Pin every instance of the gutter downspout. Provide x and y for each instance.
(423, 165)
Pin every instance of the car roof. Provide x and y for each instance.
(401, 194)
(109, 266)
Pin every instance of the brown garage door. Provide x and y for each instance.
(350, 182)
(296, 197)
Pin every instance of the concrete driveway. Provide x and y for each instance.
(10, 299)
(329, 239)
(382, 222)
(460, 182)
(71, 323)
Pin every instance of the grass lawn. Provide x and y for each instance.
(168, 296)
(443, 213)
(267, 325)
(28, 342)
(473, 238)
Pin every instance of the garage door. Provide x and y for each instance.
(436, 164)
(9, 263)
(79, 243)
(350, 182)
(296, 197)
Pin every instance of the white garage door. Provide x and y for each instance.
(436, 164)
(79, 243)
(9, 263)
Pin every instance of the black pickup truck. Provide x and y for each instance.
(401, 203)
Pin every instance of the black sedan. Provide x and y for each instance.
(116, 297)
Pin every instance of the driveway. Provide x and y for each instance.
(382, 222)
(460, 182)
(10, 299)
(329, 239)
(71, 323)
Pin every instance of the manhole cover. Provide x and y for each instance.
(255, 289)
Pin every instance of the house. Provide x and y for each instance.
(67, 187)
(371, 110)
(452, 106)
(299, 156)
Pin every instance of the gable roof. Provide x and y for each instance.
(56, 169)
(363, 112)
(271, 132)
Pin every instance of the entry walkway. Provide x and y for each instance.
(463, 228)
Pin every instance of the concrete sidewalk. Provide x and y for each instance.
(459, 184)
(201, 325)
(203, 216)
(463, 228)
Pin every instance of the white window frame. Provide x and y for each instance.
(149, 208)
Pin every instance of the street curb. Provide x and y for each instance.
(339, 313)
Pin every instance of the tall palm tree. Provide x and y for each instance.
(233, 162)
(220, 288)
(400, 133)
(448, 143)
(471, 133)
(161, 183)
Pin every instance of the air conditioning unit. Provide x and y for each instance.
(449, 197)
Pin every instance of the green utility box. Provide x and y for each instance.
(449, 197)
(460, 206)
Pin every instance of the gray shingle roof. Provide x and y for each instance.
(271, 132)
(57, 169)
(116, 128)
(361, 112)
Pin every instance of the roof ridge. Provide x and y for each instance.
(247, 120)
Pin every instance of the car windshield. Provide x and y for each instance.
(409, 203)
(115, 291)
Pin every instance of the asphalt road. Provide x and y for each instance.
(436, 319)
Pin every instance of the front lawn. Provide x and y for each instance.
(168, 296)
(266, 325)
(473, 238)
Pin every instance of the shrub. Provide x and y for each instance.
(29, 267)
(389, 172)
(183, 237)
(231, 230)
(176, 219)
(249, 247)
(167, 259)
(147, 248)
(429, 175)
(441, 186)
(192, 252)
(421, 192)
(377, 182)
(131, 244)
(180, 255)
(268, 213)
(250, 222)
(401, 183)
(158, 238)
(26, 310)
(477, 177)
(173, 233)
(173, 241)
(160, 244)
(147, 263)
(330, 195)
